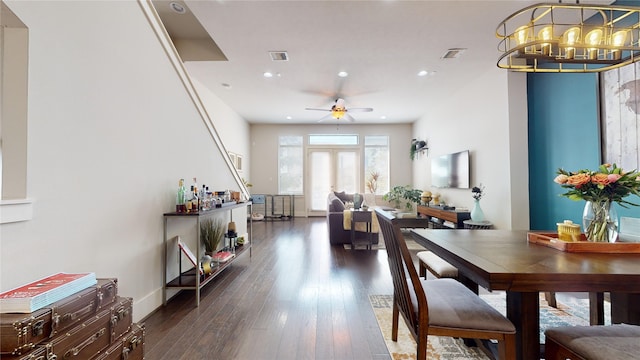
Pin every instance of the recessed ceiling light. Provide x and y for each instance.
(343, 74)
(177, 7)
(423, 73)
(383, 117)
(289, 118)
(226, 86)
(267, 74)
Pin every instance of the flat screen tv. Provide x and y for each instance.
(451, 170)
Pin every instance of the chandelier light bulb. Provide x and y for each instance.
(593, 38)
(546, 33)
(522, 35)
(618, 39)
(570, 38)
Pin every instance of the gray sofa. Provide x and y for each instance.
(335, 218)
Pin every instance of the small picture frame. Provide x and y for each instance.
(232, 156)
(239, 162)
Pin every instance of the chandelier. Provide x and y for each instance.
(569, 38)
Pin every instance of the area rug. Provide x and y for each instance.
(569, 312)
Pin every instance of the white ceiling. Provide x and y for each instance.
(381, 44)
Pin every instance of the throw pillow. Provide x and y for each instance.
(341, 195)
(337, 205)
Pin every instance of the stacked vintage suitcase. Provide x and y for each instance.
(94, 323)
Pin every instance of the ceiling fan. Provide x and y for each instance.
(339, 111)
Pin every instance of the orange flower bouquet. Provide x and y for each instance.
(600, 189)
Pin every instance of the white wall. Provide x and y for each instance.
(264, 151)
(231, 127)
(110, 132)
(477, 119)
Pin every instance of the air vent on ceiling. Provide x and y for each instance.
(453, 53)
(279, 55)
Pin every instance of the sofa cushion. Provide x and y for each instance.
(337, 205)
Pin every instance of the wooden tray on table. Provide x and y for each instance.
(551, 240)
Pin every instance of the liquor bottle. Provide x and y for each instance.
(180, 197)
(189, 200)
(195, 202)
(194, 193)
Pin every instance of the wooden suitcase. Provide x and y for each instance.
(35, 354)
(95, 334)
(20, 333)
(129, 347)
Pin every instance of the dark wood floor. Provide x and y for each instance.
(297, 297)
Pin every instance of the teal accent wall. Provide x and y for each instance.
(564, 131)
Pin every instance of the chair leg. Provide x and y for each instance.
(422, 347)
(507, 347)
(394, 324)
(551, 299)
(551, 349)
(423, 269)
(596, 308)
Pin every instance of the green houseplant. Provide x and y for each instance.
(211, 234)
(400, 194)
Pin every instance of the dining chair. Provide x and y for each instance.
(610, 342)
(440, 307)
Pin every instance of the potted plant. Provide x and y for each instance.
(417, 146)
(405, 193)
(211, 234)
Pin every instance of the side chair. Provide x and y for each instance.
(440, 307)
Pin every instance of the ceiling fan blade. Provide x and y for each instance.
(325, 118)
(360, 109)
(348, 118)
(316, 109)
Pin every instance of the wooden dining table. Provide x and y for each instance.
(505, 260)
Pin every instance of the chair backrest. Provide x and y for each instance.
(406, 282)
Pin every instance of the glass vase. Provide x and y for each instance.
(600, 221)
(476, 212)
(357, 201)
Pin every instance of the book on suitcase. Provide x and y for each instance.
(40, 293)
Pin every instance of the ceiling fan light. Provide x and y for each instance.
(338, 114)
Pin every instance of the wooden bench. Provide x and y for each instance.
(438, 267)
(613, 342)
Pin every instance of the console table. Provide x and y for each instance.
(457, 218)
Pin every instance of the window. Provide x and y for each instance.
(290, 165)
(376, 161)
(333, 139)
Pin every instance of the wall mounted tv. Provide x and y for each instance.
(451, 170)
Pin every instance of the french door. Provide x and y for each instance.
(330, 170)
